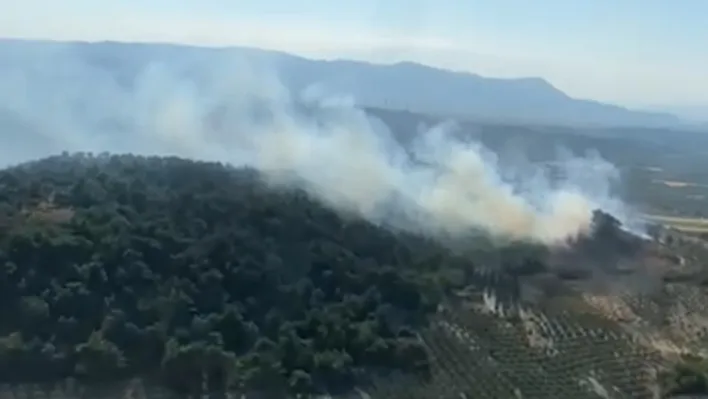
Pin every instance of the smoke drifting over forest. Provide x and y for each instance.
(239, 113)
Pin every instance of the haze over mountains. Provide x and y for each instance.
(406, 85)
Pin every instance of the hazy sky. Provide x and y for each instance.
(630, 52)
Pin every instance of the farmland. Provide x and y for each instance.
(685, 224)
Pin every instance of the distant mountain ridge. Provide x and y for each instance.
(404, 86)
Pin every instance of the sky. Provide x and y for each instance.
(636, 53)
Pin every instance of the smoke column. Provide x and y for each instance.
(52, 99)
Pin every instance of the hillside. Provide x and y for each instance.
(194, 275)
(122, 266)
(403, 86)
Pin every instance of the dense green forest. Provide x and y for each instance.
(112, 266)
(199, 276)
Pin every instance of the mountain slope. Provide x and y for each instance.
(400, 86)
(197, 275)
(424, 89)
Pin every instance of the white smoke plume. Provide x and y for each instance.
(233, 111)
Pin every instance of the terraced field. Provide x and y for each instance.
(616, 340)
(554, 353)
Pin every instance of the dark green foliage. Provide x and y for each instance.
(688, 377)
(112, 266)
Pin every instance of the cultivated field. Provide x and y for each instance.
(685, 224)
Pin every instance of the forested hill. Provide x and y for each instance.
(194, 275)
(115, 266)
